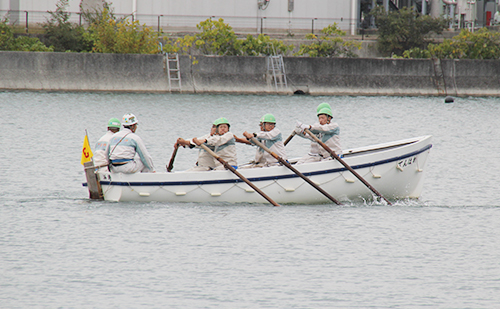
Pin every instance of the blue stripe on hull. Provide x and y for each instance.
(208, 182)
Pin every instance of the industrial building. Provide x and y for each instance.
(257, 16)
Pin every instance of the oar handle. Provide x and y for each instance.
(232, 169)
(289, 138)
(334, 155)
(170, 165)
(293, 169)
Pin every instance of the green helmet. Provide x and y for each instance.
(326, 111)
(114, 123)
(221, 120)
(323, 105)
(268, 118)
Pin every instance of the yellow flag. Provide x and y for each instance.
(86, 151)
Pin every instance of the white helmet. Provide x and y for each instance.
(129, 119)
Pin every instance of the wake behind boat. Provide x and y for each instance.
(395, 169)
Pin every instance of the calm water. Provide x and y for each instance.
(58, 249)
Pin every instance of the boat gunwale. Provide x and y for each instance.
(275, 177)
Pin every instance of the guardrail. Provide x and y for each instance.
(176, 24)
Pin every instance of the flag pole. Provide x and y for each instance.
(87, 135)
(93, 183)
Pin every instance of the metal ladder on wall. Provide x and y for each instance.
(173, 71)
(276, 68)
(439, 77)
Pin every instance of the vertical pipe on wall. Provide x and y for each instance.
(26, 21)
(372, 18)
(436, 8)
(354, 18)
(134, 9)
(450, 7)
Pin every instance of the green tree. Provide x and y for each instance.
(404, 29)
(482, 44)
(6, 36)
(25, 43)
(215, 38)
(123, 37)
(218, 38)
(21, 43)
(62, 34)
(417, 53)
(329, 44)
(263, 45)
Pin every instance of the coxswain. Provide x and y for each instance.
(126, 150)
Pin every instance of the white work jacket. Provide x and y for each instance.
(125, 145)
(224, 147)
(272, 140)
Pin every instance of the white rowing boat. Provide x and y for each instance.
(395, 169)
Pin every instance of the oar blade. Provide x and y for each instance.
(334, 155)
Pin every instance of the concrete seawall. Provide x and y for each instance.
(213, 74)
(81, 72)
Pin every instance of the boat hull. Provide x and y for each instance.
(395, 169)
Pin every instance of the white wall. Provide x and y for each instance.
(240, 13)
(46, 5)
(276, 8)
(3, 5)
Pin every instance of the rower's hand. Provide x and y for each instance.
(199, 141)
(247, 135)
(243, 140)
(300, 127)
(181, 142)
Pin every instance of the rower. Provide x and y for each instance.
(205, 161)
(271, 137)
(327, 131)
(223, 142)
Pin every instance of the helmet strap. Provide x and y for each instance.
(132, 127)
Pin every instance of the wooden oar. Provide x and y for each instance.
(170, 165)
(232, 169)
(289, 138)
(293, 169)
(334, 155)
